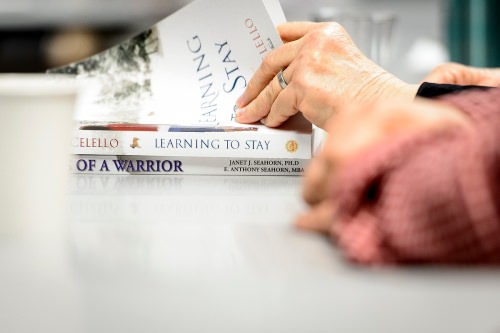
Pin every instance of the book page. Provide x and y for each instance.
(212, 59)
(275, 11)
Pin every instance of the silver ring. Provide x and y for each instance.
(281, 80)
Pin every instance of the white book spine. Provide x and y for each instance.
(246, 144)
(181, 165)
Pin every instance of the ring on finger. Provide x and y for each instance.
(281, 80)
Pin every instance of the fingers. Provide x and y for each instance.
(292, 31)
(455, 73)
(273, 106)
(316, 180)
(262, 90)
(284, 107)
(451, 73)
(260, 107)
(320, 218)
(275, 61)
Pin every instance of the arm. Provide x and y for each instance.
(419, 196)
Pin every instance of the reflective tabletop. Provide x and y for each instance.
(215, 254)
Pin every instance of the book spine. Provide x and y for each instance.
(257, 144)
(182, 165)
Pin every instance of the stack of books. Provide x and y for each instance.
(162, 102)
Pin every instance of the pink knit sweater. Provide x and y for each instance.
(427, 198)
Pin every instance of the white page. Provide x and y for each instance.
(275, 11)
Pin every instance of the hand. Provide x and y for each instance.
(325, 72)
(317, 193)
(453, 73)
(352, 132)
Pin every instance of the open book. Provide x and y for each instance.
(170, 91)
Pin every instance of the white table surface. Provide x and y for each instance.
(216, 254)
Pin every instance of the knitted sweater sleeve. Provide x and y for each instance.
(427, 198)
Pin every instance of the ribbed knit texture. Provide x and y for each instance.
(427, 198)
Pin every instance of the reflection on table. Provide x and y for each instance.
(215, 254)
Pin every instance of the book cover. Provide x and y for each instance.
(184, 165)
(182, 76)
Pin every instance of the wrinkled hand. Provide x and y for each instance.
(454, 73)
(325, 72)
(355, 130)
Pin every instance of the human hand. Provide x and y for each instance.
(325, 72)
(454, 73)
(351, 133)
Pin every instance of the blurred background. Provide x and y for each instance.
(418, 35)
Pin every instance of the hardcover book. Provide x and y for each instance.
(184, 165)
(170, 91)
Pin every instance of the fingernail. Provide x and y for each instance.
(241, 101)
(240, 112)
(263, 121)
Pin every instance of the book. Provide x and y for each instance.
(184, 165)
(170, 91)
(199, 141)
